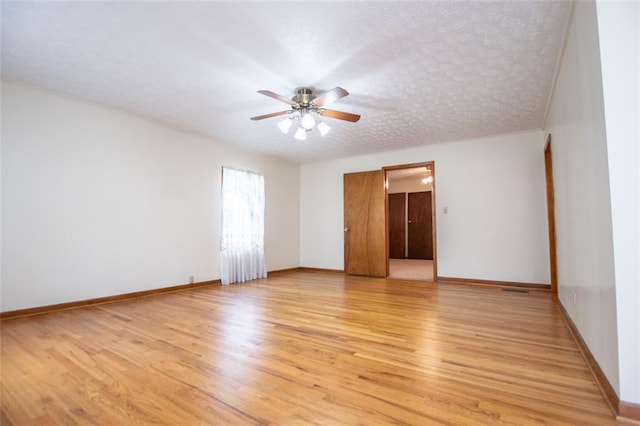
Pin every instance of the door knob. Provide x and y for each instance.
(409, 221)
(346, 229)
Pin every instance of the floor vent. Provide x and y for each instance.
(515, 290)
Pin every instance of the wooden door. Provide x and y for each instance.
(365, 245)
(419, 225)
(397, 214)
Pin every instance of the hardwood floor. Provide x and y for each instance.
(302, 348)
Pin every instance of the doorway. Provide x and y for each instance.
(411, 221)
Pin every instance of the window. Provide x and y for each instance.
(242, 244)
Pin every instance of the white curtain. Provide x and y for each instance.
(242, 245)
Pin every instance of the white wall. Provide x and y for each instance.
(96, 202)
(408, 185)
(619, 36)
(581, 178)
(494, 190)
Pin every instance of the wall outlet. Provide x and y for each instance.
(191, 279)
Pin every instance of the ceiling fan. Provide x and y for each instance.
(308, 109)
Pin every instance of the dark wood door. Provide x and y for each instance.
(397, 214)
(420, 229)
(365, 244)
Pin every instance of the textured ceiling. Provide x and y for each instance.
(417, 72)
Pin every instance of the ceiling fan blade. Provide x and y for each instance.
(340, 115)
(330, 96)
(273, 95)
(273, 114)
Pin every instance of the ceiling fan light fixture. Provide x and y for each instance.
(301, 134)
(324, 128)
(307, 121)
(285, 125)
(307, 111)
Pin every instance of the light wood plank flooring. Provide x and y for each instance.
(302, 348)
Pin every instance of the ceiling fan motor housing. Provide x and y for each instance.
(303, 97)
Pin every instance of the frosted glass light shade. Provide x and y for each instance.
(285, 125)
(301, 134)
(307, 121)
(324, 128)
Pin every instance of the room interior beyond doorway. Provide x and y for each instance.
(410, 221)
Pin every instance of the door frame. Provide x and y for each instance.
(432, 166)
(551, 217)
